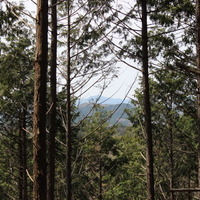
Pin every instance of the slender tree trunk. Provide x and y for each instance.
(68, 125)
(39, 115)
(20, 184)
(198, 82)
(171, 164)
(52, 130)
(100, 169)
(147, 107)
(22, 156)
(171, 153)
(100, 179)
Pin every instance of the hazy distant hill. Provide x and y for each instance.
(103, 100)
(118, 116)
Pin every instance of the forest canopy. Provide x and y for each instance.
(53, 56)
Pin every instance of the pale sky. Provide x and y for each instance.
(119, 87)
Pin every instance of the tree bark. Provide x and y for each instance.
(39, 112)
(22, 156)
(147, 107)
(171, 163)
(53, 95)
(198, 82)
(171, 150)
(68, 123)
(20, 184)
(100, 168)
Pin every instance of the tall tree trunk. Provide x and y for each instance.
(20, 184)
(171, 150)
(68, 125)
(39, 115)
(100, 169)
(52, 130)
(171, 163)
(198, 82)
(147, 107)
(100, 179)
(22, 156)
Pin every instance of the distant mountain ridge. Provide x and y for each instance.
(103, 100)
(108, 105)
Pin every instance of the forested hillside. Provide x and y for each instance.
(54, 145)
(117, 112)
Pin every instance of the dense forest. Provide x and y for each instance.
(51, 58)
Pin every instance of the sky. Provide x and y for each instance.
(127, 77)
(120, 86)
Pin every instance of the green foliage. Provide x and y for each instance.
(105, 162)
(164, 12)
(173, 119)
(95, 160)
(16, 63)
(129, 181)
(9, 14)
